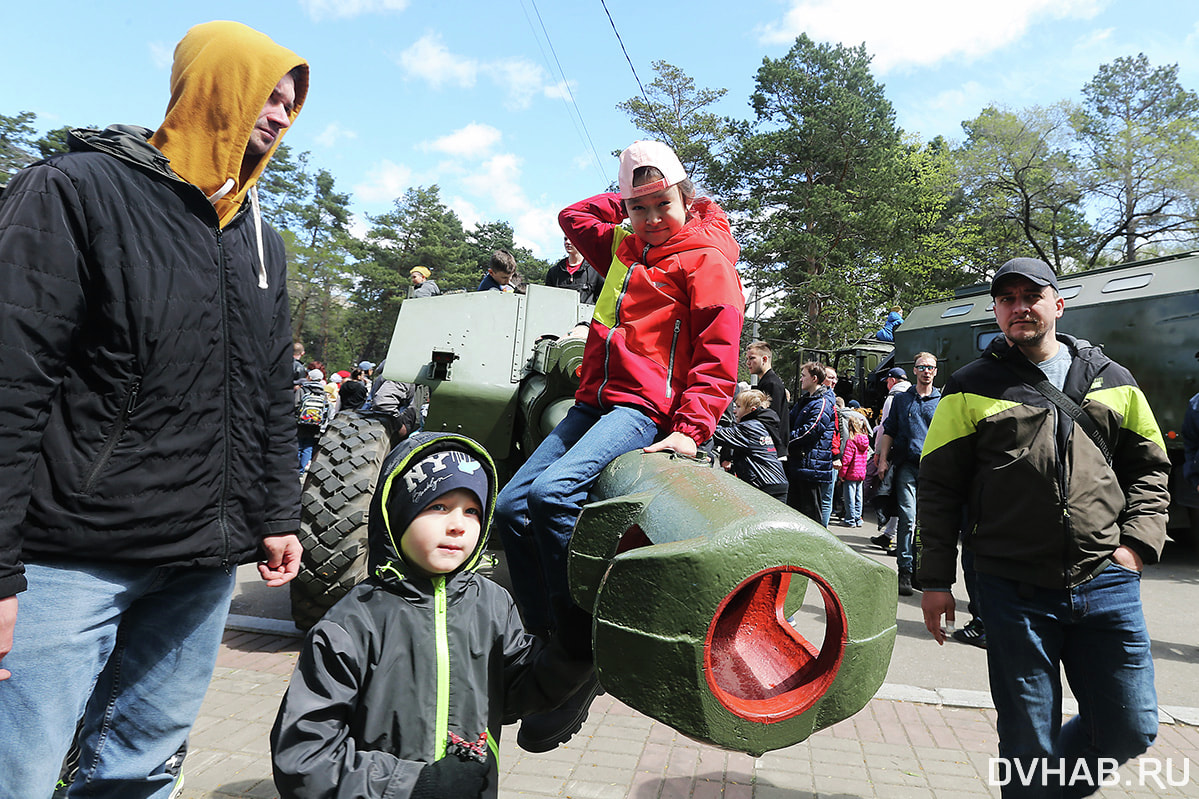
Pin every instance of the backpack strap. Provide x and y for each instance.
(1070, 408)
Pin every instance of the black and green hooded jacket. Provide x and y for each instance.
(406, 669)
(1042, 504)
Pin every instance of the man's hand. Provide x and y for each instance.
(676, 442)
(1128, 558)
(282, 559)
(936, 604)
(882, 467)
(8, 620)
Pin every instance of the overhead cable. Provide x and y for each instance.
(577, 117)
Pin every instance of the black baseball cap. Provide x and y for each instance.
(1032, 268)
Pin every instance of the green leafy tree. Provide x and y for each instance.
(283, 189)
(319, 275)
(675, 113)
(1139, 130)
(16, 143)
(1024, 184)
(54, 142)
(419, 231)
(817, 185)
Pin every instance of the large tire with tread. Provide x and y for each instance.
(334, 510)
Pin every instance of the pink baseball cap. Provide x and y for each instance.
(649, 153)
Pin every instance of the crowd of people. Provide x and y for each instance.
(149, 446)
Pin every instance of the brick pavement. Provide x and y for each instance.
(892, 749)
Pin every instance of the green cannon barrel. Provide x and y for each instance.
(687, 572)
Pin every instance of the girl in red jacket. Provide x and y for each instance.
(658, 370)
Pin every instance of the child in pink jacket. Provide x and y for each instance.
(854, 456)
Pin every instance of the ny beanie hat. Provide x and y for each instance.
(430, 478)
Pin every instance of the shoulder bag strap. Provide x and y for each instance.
(1070, 407)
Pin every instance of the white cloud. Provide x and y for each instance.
(519, 79)
(345, 9)
(428, 58)
(473, 141)
(334, 133)
(919, 34)
(162, 55)
(496, 186)
(387, 182)
(523, 80)
(499, 181)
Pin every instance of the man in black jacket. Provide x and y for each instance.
(147, 444)
(1054, 453)
(758, 362)
(573, 272)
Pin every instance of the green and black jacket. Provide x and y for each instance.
(1042, 505)
(408, 669)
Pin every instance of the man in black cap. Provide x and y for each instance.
(1054, 453)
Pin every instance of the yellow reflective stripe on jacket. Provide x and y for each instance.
(605, 306)
(958, 416)
(1134, 410)
(441, 728)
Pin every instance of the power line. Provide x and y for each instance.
(648, 105)
(580, 124)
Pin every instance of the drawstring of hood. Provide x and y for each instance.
(262, 282)
(257, 210)
(225, 188)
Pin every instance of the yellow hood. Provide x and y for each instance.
(224, 72)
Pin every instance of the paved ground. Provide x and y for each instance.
(929, 733)
(893, 749)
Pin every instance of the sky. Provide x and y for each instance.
(509, 106)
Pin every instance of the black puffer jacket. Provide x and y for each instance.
(148, 416)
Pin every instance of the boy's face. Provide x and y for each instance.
(499, 276)
(740, 411)
(445, 533)
(658, 216)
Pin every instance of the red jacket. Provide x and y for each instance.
(666, 334)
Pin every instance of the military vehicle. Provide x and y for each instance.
(1144, 314)
(502, 369)
(692, 576)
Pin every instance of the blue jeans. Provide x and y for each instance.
(130, 650)
(904, 486)
(853, 501)
(1096, 632)
(537, 510)
(307, 446)
(814, 500)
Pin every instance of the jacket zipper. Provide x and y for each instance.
(674, 342)
(227, 456)
(118, 430)
(441, 727)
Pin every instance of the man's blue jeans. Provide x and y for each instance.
(537, 510)
(1097, 633)
(904, 486)
(128, 649)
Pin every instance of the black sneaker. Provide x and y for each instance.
(973, 634)
(881, 540)
(905, 584)
(542, 732)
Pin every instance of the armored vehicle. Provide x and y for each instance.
(1144, 314)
